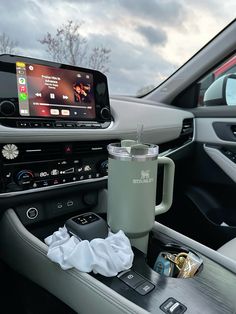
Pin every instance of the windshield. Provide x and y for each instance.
(137, 44)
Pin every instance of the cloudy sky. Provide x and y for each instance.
(149, 39)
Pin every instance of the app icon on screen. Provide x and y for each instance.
(23, 96)
(21, 72)
(21, 80)
(22, 88)
(20, 64)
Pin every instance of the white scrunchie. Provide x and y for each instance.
(107, 256)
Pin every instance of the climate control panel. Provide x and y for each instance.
(40, 165)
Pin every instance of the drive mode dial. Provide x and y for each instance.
(24, 177)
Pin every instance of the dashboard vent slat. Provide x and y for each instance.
(187, 127)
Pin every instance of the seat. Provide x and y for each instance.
(229, 249)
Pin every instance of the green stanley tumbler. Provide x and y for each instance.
(132, 184)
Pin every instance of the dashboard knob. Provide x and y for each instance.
(103, 169)
(10, 151)
(105, 113)
(7, 108)
(24, 177)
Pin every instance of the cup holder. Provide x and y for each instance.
(177, 261)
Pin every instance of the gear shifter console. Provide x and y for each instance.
(87, 226)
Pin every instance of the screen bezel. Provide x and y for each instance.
(8, 65)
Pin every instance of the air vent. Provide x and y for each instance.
(187, 127)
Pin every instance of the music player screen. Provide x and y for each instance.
(45, 91)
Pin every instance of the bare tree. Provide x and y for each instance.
(68, 45)
(99, 59)
(7, 45)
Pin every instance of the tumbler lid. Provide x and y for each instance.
(129, 150)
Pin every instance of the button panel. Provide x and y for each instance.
(136, 282)
(172, 306)
(35, 167)
(228, 153)
(54, 124)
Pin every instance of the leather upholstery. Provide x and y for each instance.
(229, 249)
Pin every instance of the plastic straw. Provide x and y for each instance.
(139, 133)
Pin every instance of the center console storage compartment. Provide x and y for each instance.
(173, 260)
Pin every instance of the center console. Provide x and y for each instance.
(140, 290)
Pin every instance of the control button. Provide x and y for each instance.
(132, 279)
(145, 287)
(8, 175)
(24, 177)
(87, 168)
(105, 113)
(68, 149)
(44, 174)
(103, 169)
(59, 124)
(59, 205)
(55, 181)
(35, 185)
(32, 213)
(47, 124)
(172, 306)
(54, 112)
(68, 171)
(228, 153)
(45, 183)
(7, 108)
(54, 172)
(36, 124)
(65, 112)
(66, 180)
(97, 126)
(22, 124)
(70, 203)
(70, 125)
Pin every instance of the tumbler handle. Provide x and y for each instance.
(168, 185)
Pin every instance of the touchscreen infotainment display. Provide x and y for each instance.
(45, 91)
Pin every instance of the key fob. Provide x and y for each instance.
(163, 266)
(87, 226)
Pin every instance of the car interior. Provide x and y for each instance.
(55, 165)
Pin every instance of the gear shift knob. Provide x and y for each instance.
(87, 226)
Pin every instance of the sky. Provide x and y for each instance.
(149, 39)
